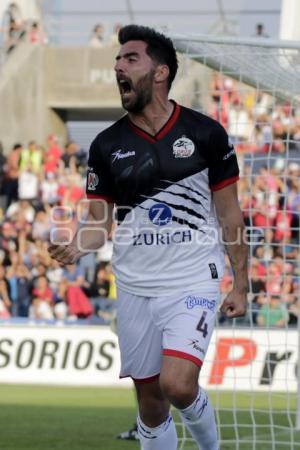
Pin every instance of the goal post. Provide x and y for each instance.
(252, 370)
(268, 65)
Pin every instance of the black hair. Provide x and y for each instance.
(159, 47)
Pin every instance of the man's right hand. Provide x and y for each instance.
(64, 254)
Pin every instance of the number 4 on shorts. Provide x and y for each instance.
(202, 325)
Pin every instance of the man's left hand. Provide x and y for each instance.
(235, 304)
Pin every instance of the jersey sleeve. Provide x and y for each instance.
(98, 181)
(223, 168)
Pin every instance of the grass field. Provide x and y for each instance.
(44, 418)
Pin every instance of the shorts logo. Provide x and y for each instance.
(183, 147)
(160, 214)
(195, 344)
(93, 181)
(192, 301)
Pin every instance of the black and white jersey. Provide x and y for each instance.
(167, 234)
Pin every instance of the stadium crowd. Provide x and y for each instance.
(34, 179)
(267, 141)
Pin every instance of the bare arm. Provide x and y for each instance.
(89, 236)
(231, 221)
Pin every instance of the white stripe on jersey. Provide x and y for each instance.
(166, 243)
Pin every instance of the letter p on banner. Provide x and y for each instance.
(225, 356)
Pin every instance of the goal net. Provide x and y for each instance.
(253, 88)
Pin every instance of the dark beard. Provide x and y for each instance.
(143, 94)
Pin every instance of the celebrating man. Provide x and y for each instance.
(171, 173)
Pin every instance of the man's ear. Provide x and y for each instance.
(162, 72)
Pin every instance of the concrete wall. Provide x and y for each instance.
(22, 106)
(42, 87)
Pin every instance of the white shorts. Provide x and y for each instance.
(178, 325)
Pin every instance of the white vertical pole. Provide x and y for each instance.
(289, 29)
(298, 378)
(289, 20)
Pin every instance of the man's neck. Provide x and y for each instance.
(154, 116)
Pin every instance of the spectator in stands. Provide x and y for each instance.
(20, 285)
(73, 274)
(54, 275)
(294, 311)
(288, 288)
(49, 189)
(5, 302)
(41, 226)
(257, 303)
(31, 157)
(112, 294)
(61, 310)
(114, 37)
(97, 38)
(71, 191)
(79, 304)
(28, 188)
(98, 292)
(257, 284)
(8, 240)
(42, 303)
(260, 31)
(2, 167)
(36, 34)
(69, 158)
(24, 207)
(38, 271)
(11, 174)
(273, 313)
(52, 155)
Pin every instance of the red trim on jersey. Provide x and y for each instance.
(163, 131)
(100, 197)
(141, 132)
(183, 355)
(224, 183)
(170, 123)
(142, 380)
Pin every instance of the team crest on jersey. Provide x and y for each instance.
(93, 181)
(183, 147)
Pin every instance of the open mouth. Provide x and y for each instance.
(124, 86)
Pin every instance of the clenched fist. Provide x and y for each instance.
(235, 304)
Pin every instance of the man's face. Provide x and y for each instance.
(135, 72)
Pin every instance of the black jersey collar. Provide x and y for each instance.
(163, 131)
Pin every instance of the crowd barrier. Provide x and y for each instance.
(240, 359)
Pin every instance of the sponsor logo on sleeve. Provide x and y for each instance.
(93, 181)
(231, 150)
(183, 147)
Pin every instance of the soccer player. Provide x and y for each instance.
(172, 173)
